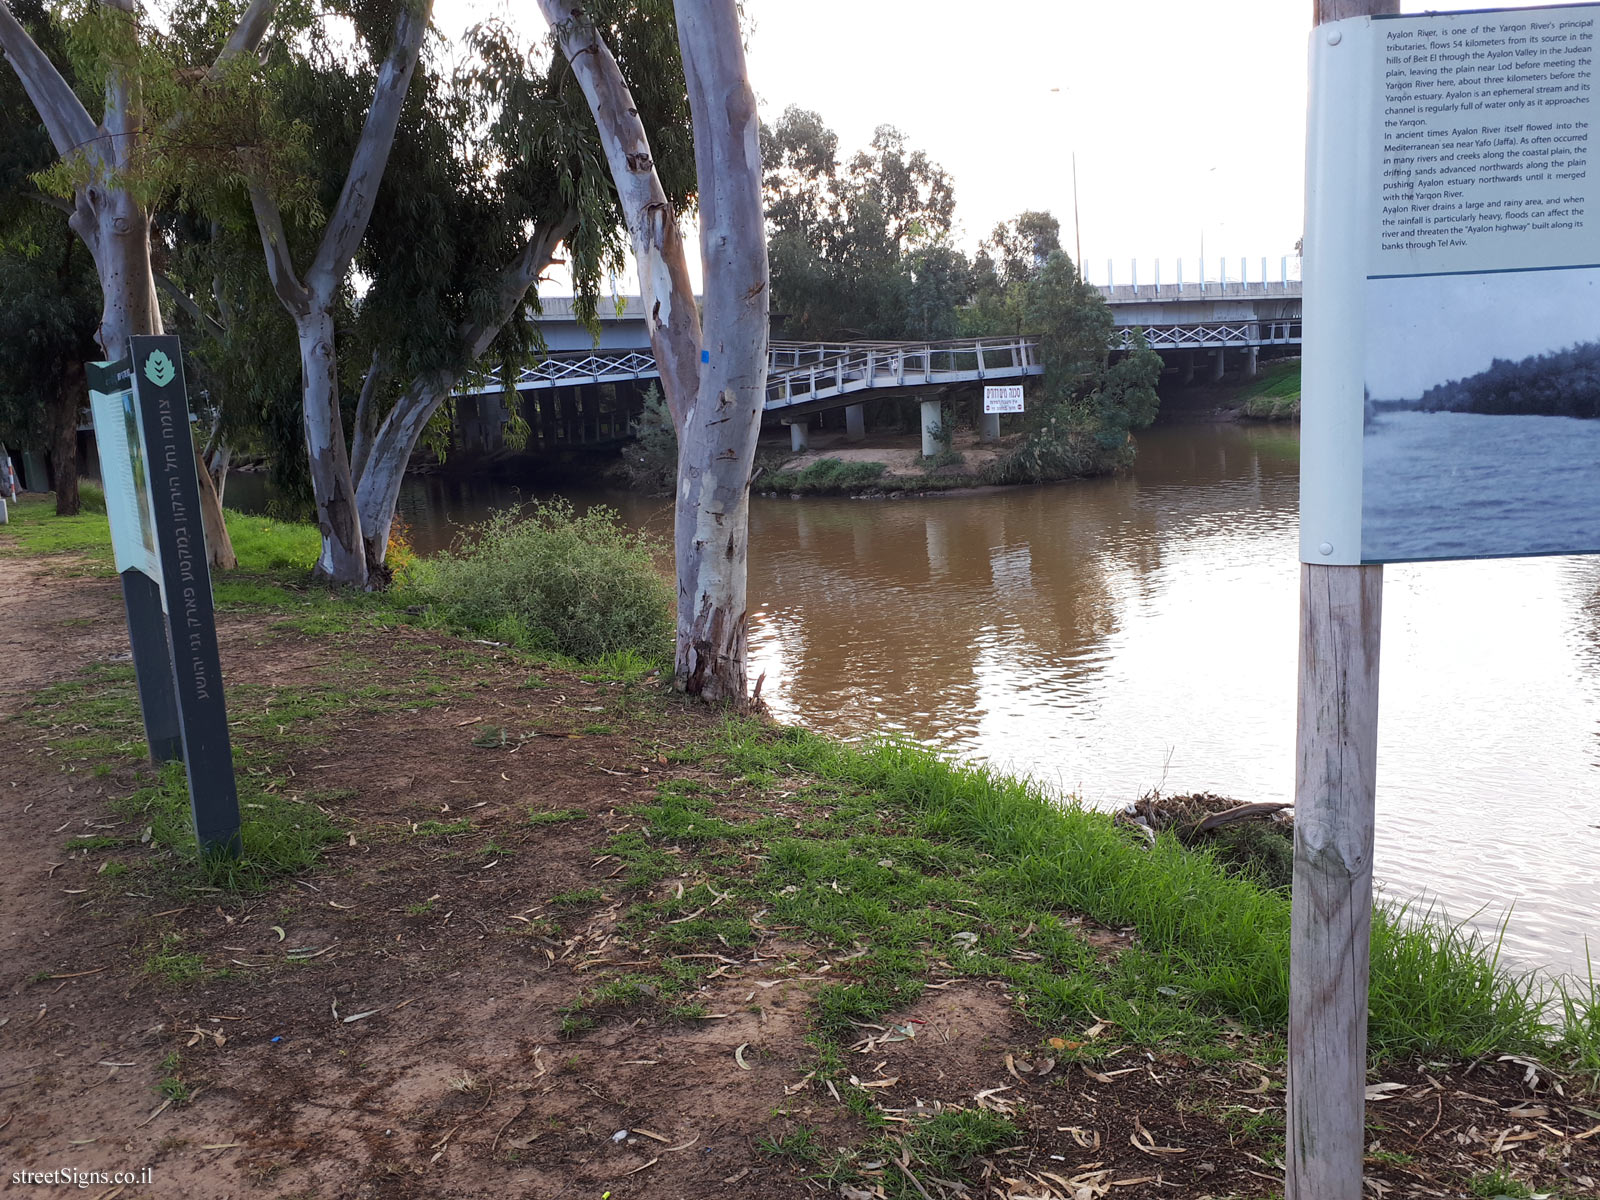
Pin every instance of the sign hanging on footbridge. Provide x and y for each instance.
(141, 421)
(1003, 398)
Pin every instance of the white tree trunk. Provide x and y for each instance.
(716, 398)
(717, 436)
(310, 303)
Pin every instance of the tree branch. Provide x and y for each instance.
(671, 318)
(366, 418)
(67, 121)
(55, 202)
(280, 266)
(348, 223)
(537, 254)
(247, 34)
(187, 303)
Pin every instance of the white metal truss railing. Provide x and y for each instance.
(1213, 334)
(801, 372)
(807, 373)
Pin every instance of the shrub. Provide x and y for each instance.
(91, 497)
(650, 461)
(553, 582)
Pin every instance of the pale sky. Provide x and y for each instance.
(1187, 116)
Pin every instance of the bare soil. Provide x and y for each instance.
(411, 1045)
(901, 454)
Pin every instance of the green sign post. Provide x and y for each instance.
(141, 420)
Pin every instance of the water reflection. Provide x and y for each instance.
(1113, 636)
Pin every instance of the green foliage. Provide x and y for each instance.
(651, 461)
(1275, 395)
(553, 582)
(826, 475)
(1562, 383)
(996, 853)
(860, 249)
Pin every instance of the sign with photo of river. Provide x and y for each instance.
(1453, 279)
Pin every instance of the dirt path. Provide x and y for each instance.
(427, 1013)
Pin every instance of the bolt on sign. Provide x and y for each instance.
(147, 462)
(1002, 398)
(1452, 277)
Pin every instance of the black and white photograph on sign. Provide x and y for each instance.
(1481, 433)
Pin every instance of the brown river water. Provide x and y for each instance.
(1115, 636)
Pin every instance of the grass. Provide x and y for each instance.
(1275, 394)
(826, 475)
(934, 865)
(537, 816)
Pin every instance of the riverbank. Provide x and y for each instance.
(509, 909)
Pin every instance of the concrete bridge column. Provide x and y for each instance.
(989, 427)
(1250, 362)
(1218, 365)
(799, 435)
(932, 413)
(1188, 367)
(855, 422)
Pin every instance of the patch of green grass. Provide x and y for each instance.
(940, 1147)
(90, 843)
(441, 828)
(170, 964)
(281, 835)
(171, 1087)
(1498, 1183)
(826, 475)
(802, 1144)
(556, 816)
(1275, 394)
(986, 855)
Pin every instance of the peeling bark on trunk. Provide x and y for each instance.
(715, 398)
(342, 559)
(219, 546)
(718, 435)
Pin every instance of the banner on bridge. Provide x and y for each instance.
(1451, 403)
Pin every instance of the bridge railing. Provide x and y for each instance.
(818, 374)
(1285, 332)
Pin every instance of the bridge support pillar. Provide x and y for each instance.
(932, 421)
(989, 427)
(1218, 364)
(799, 436)
(1188, 367)
(1250, 362)
(855, 422)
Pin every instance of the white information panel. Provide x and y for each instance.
(1004, 398)
(1451, 402)
(125, 474)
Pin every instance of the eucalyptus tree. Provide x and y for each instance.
(109, 171)
(713, 375)
(311, 296)
(499, 170)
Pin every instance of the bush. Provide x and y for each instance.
(552, 582)
(91, 497)
(650, 461)
(1063, 442)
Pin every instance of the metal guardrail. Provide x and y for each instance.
(1213, 334)
(809, 372)
(802, 372)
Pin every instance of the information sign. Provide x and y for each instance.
(1002, 398)
(141, 418)
(1451, 404)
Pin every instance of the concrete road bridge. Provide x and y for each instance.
(589, 390)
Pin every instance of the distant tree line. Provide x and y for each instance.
(1563, 383)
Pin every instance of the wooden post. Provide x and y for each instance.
(1341, 616)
